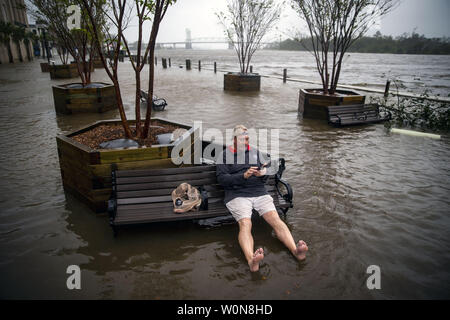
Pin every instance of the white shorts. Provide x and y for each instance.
(241, 207)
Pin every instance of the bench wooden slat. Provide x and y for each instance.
(166, 171)
(149, 193)
(163, 201)
(147, 206)
(168, 184)
(161, 192)
(175, 217)
(353, 106)
(171, 184)
(213, 191)
(350, 113)
(165, 178)
(167, 214)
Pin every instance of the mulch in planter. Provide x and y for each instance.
(107, 132)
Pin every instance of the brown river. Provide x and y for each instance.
(362, 196)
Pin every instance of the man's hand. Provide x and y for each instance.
(260, 173)
(251, 171)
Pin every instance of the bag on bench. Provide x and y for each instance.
(186, 198)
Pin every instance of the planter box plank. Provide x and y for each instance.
(45, 67)
(104, 170)
(241, 82)
(113, 156)
(63, 71)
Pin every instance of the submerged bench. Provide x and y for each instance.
(144, 196)
(158, 103)
(348, 115)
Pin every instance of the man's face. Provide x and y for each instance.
(241, 142)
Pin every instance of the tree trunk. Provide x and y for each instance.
(10, 55)
(123, 116)
(150, 92)
(138, 103)
(152, 42)
(27, 47)
(19, 49)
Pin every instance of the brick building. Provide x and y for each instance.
(14, 12)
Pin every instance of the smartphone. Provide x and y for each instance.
(262, 166)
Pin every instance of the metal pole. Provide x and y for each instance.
(170, 63)
(199, 65)
(215, 67)
(46, 47)
(386, 90)
(284, 75)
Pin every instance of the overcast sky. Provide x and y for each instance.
(428, 17)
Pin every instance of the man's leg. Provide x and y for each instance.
(246, 243)
(285, 236)
(241, 210)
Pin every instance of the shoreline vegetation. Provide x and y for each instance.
(405, 44)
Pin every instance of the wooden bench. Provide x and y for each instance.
(144, 196)
(348, 115)
(158, 103)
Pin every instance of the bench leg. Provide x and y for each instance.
(114, 229)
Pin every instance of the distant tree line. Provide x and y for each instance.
(404, 44)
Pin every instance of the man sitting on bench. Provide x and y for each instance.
(238, 173)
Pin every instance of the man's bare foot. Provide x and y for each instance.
(300, 251)
(254, 262)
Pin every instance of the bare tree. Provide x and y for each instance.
(116, 12)
(119, 14)
(77, 41)
(159, 9)
(334, 25)
(246, 23)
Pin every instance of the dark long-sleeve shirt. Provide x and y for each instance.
(230, 174)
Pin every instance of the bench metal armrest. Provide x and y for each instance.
(281, 168)
(112, 202)
(338, 120)
(112, 206)
(286, 196)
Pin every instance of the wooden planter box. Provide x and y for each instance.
(78, 100)
(97, 64)
(234, 81)
(86, 65)
(86, 172)
(45, 67)
(313, 105)
(63, 71)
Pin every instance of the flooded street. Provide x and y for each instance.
(362, 196)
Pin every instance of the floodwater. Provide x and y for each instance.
(362, 196)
